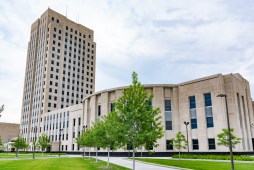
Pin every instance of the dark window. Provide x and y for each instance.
(79, 121)
(169, 144)
(73, 122)
(208, 110)
(195, 144)
(211, 143)
(193, 114)
(99, 110)
(112, 105)
(168, 115)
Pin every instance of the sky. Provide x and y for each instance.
(164, 41)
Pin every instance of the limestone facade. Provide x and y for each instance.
(195, 102)
(60, 68)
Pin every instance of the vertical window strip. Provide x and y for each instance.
(168, 115)
(193, 114)
(208, 110)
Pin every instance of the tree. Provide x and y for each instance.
(1, 109)
(179, 142)
(1, 144)
(139, 122)
(20, 143)
(95, 136)
(223, 138)
(109, 132)
(43, 142)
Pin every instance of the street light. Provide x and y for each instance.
(186, 124)
(60, 131)
(229, 136)
(34, 140)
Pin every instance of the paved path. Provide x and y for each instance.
(139, 165)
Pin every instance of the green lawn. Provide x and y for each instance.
(56, 164)
(26, 155)
(199, 165)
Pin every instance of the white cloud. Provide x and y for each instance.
(164, 41)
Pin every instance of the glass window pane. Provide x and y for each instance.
(167, 105)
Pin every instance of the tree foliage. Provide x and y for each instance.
(139, 122)
(1, 108)
(179, 142)
(43, 141)
(223, 138)
(20, 143)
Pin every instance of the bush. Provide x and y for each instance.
(215, 157)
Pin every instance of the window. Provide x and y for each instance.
(112, 105)
(193, 114)
(211, 144)
(73, 147)
(99, 110)
(168, 115)
(169, 144)
(195, 144)
(208, 110)
(79, 121)
(73, 134)
(73, 122)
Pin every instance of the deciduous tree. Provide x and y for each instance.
(139, 121)
(43, 142)
(223, 138)
(179, 142)
(20, 143)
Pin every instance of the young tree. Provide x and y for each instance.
(1, 144)
(179, 142)
(223, 138)
(43, 142)
(83, 140)
(139, 122)
(95, 135)
(20, 143)
(1, 109)
(109, 130)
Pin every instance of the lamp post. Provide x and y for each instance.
(229, 136)
(84, 130)
(186, 124)
(60, 131)
(34, 140)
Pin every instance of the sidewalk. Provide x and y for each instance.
(125, 162)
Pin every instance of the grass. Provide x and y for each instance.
(199, 165)
(214, 157)
(26, 155)
(56, 164)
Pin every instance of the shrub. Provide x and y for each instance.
(215, 157)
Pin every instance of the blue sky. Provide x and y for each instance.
(165, 41)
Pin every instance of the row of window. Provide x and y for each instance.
(193, 114)
(195, 144)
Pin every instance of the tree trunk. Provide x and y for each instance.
(89, 153)
(108, 156)
(141, 154)
(133, 159)
(96, 154)
(17, 153)
(179, 155)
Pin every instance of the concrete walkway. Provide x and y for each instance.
(125, 162)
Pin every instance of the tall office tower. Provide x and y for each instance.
(60, 69)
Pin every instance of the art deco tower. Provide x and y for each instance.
(60, 68)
